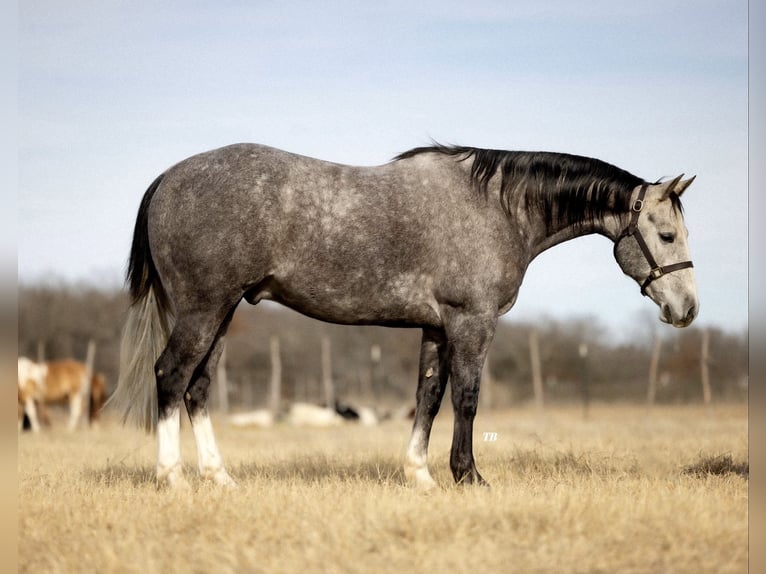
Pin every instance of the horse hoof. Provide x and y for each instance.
(223, 480)
(172, 479)
(219, 477)
(420, 478)
(473, 479)
(175, 485)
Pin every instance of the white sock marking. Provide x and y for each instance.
(169, 469)
(416, 468)
(208, 457)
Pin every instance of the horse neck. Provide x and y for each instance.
(542, 236)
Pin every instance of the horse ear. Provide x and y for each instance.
(681, 187)
(669, 186)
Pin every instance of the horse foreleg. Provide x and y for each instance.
(432, 380)
(469, 338)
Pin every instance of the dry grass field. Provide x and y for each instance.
(624, 491)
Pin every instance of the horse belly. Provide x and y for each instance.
(64, 379)
(358, 302)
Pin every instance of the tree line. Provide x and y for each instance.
(578, 358)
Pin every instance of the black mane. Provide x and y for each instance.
(569, 189)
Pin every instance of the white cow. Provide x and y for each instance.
(308, 415)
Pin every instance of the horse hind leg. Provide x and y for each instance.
(432, 381)
(209, 458)
(189, 344)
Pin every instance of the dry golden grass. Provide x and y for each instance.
(624, 491)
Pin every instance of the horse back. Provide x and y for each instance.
(249, 199)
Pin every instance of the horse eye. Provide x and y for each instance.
(667, 237)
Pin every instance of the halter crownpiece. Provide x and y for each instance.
(656, 271)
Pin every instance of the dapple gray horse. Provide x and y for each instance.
(438, 239)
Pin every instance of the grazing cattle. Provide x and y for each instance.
(346, 411)
(365, 416)
(308, 415)
(64, 380)
(368, 417)
(260, 418)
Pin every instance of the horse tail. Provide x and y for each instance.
(147, 328)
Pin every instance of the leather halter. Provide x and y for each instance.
(656, 271)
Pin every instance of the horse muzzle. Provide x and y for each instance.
(679, 316)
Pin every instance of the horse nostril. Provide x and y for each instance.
(691, 314)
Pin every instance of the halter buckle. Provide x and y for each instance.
(656, 273)
(638, 205)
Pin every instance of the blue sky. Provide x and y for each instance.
(112, 93)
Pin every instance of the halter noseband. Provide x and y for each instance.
(656, 271)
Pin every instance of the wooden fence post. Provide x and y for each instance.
(653, 364)
(276, 376)
(537, 372)
(582, 350)
(90, 359)
(376, 372)
(327, 382)
(704, 370)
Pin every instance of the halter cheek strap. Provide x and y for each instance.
(656, 271)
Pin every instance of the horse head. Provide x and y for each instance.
(654, 250)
